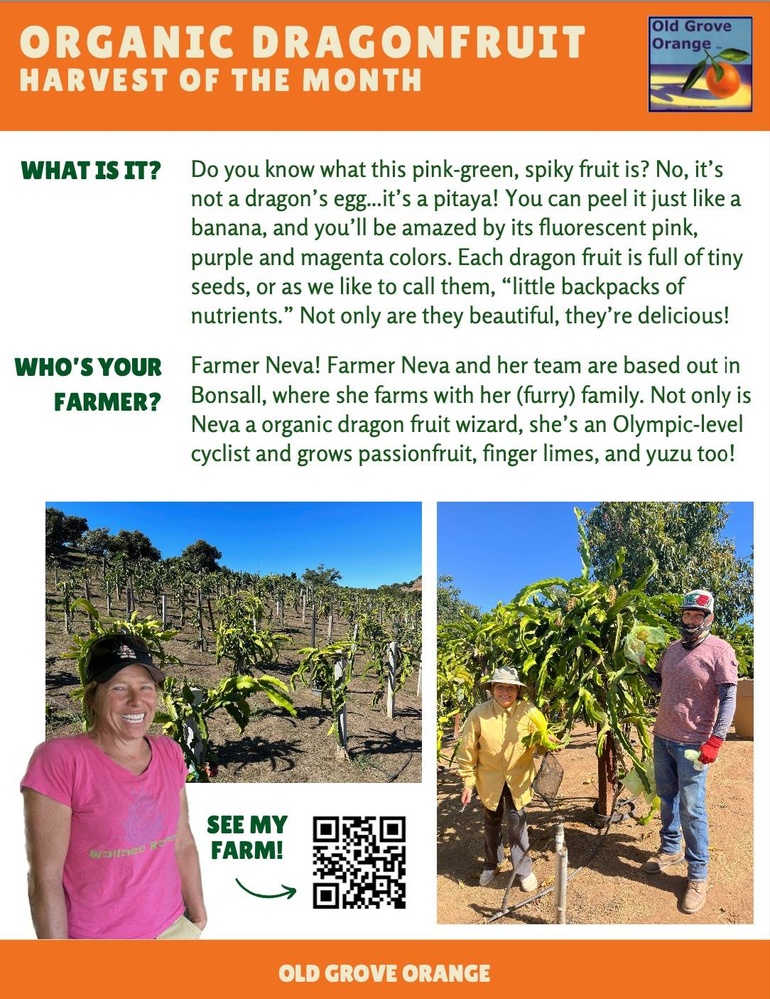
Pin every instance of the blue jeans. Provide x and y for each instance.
(682, 792)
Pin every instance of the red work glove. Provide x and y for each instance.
(709, 750)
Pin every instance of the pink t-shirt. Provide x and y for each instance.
(688, 697)
(121, 879)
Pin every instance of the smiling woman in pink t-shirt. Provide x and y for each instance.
(111, 854)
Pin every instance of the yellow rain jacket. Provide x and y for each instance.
(491, 754)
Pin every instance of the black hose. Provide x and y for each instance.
(504, 909)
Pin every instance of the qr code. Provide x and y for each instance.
(359, 862)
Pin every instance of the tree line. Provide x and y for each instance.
(66, 534)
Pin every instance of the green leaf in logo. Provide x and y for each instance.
(733, 55)
(695, 74)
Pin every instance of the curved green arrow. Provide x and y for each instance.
(287, 893)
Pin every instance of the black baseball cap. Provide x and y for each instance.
(111, 653)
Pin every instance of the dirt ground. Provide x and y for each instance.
(606, 883)
(275, 746)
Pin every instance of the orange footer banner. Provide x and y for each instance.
(580, 969)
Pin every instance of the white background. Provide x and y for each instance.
(102, 269)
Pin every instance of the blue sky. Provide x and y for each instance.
(494, 549)
(370, 543)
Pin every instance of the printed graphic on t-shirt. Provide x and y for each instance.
(143, 820)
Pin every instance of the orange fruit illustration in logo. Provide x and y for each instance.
(722, 78)
(727, 85)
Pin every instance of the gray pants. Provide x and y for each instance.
(518, 837)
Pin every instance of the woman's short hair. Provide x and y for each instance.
(89, 705)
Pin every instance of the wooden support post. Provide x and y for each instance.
(607, 774)
(201, 636)
(342, 718)
(392, 671)
(192, 735)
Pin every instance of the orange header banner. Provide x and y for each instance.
(581, 969)
(381, 66)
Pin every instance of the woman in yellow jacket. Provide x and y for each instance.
(492, 759)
